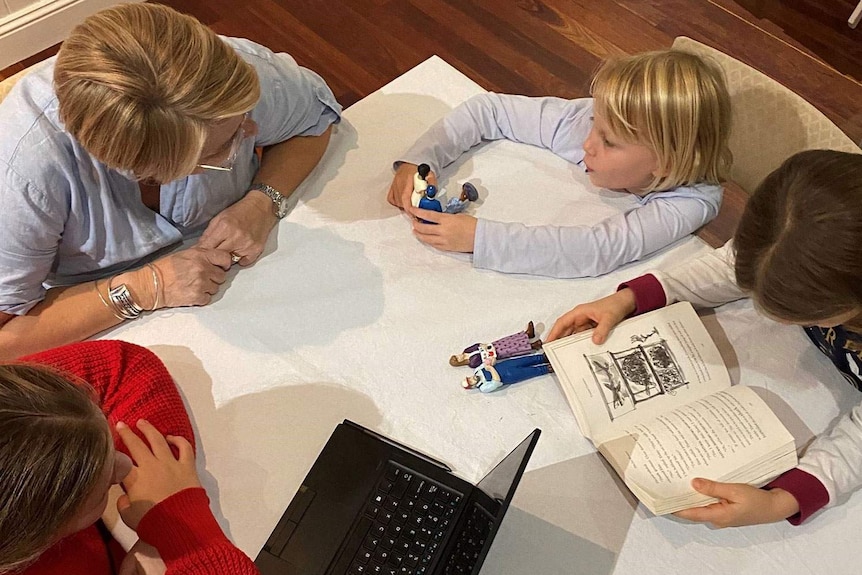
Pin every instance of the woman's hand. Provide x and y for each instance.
(449, 232)
(157, 474)
(402, 185)
(242, 228)
(190, 277)
(740, 504)
(602, 314)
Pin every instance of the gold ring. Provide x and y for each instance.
(235, 257)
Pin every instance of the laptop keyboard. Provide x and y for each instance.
(470, 542)
(404, 523)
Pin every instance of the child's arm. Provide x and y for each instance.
(130, 383)
(830, 469)
(585, 251)
(707, 281)
(165, 504)
(553, 123)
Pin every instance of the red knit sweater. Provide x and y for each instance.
(132, 384)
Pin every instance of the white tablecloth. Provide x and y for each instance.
(348, 316)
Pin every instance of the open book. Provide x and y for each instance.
(656, 401)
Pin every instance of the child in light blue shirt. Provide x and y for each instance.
(657, 127)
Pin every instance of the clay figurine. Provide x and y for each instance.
(488, 377)
(509, 346)
(457, 205)
(430, 202)
(419, 184)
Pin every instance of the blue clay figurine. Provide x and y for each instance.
(457, 205)
(488, 378)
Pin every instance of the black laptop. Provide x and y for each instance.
(370, 505)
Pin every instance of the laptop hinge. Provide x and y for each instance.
(388, 441)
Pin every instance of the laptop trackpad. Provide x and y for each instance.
(313, 529)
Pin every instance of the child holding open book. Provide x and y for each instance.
(798, 254)
(657, 127)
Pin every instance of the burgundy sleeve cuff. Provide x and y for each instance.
(180, 524)
(807, 489)
(649, 294)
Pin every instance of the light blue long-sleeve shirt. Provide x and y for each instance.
(66, 218)
(561, 126)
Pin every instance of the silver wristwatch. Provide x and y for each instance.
(280, 202)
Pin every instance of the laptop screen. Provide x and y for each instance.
(501, 482)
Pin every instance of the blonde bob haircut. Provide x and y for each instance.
(140, 85)
(54, 451)
(674, 103)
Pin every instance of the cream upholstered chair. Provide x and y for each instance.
(770, 121)
(6, 85)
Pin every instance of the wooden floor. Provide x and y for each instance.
(538, 47)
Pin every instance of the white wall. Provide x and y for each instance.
(28, 27)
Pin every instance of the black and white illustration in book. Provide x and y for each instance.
(631, 376)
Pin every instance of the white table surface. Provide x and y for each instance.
(348, 316)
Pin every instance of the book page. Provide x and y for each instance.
(649, 364)
(731, 435)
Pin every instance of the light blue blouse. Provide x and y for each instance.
(561, 126)
(66, 218)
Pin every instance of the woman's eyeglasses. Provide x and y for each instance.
(245, 130)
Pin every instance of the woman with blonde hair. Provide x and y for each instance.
(68, 418)
(140, 134)
(657, 127)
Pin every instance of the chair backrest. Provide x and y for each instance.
(770, 121)
(7, 84)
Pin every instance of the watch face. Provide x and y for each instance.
(281, 207)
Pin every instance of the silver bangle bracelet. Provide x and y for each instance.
(123, 302)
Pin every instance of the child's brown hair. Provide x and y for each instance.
(799, 242)
(54, 448)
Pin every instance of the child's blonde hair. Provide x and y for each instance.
(674, 103)
(799, 242)
(140, 84)
(54, 450)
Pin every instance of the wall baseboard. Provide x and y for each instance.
(41, 25)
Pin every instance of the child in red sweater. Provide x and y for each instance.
(67, 417)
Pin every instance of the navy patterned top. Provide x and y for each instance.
(843, 347)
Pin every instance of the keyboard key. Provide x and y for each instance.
(381, 555)
(396, 560)
(371, 542)
(416, 488)
(430, 492)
